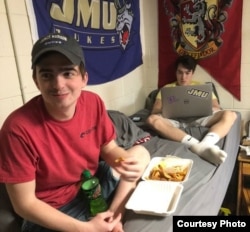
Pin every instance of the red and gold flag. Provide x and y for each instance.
(208, 30)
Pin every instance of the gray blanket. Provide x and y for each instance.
(205, 181)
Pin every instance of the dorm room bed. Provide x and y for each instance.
(206, 187)
(203, 192)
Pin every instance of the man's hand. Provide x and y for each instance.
(105, 222)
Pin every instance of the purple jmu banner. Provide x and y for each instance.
(108, 31)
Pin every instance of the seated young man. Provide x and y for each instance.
(46, 144)
(219, 122)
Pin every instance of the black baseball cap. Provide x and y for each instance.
(61, 43)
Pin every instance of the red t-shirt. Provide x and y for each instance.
(54, 153)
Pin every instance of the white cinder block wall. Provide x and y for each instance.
(127, 94)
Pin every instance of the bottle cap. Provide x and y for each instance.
(86, 174)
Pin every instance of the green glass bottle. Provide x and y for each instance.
(92, 189)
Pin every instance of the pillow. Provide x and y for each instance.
(127, 132)
(150, 100)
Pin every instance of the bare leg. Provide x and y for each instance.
(165, 128)
(219, 124)
(222, 122)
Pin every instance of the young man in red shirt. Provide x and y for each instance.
(48, 142)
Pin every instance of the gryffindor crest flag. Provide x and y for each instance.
(208, 30)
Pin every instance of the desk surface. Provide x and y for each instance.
(244, 169)
(242, 157)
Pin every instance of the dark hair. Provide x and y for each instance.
(187, 61)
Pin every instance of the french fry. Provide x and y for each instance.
(161, 172)
(120, 159)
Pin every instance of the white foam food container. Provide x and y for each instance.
(155, 198)
(171, 164)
